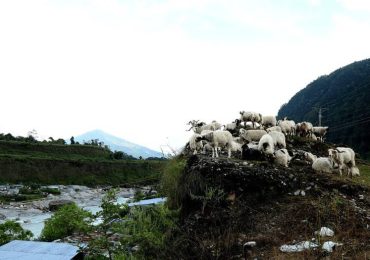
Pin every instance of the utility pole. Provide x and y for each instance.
(320, 110)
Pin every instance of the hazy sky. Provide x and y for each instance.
(142, 69)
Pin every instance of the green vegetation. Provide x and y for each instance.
(123, 233)
(53, 151)
(20, 197)
(53, 191)
(50, 163)
(365, 175)
(111, 217)
(149, 229)
(11, 230)
(67, 220)
(83, 172)
(170, 180)
(345, 95)
(30, 192)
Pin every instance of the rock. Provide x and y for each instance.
(57, 204)
(325, 232)
(329, 246)
(250, 244)
(299, 247)
(2, 217)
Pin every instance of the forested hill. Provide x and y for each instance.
(344, 97)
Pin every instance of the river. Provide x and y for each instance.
(32, 215)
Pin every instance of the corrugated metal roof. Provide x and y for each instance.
(34, 250)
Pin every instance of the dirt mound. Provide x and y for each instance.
(228, 202)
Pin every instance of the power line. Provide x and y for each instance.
(350, 124)
(366, 112)
(358, 117)
(358, 89)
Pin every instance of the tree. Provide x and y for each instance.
(118, 155)
(60, 141)
(68, 219)
(32, 135)
(11, 230)
(73, 140)
(111, 216)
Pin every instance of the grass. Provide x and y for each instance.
(47, 150)
(20, 197)
(91, 172)
(365, 175)
(170, 180)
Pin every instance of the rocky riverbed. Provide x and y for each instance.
(31, 215)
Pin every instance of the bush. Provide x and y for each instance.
(53, 191)
(170, 179)
(11, 230)
(67, 220)
(148, 228)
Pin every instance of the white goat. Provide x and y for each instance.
(232, 127)
(279, 139)
(218, 139)
(287, 126)
(237, 146)
(312, 137)
(268, 121)
(250, 117)
(320, 132)
(274, 128)
(323, 165)
(198, 127)
(309, 157)
(266, 145)
(355, 171)
(344, 157)
(251, 135)
(305, 129)
(194, 144)
(282, 157)
(204, 132)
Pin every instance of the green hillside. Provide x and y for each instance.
(344, 97)
(47, 150)
(48, 163)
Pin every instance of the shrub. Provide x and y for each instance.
(148, 228)
(54, 191)
(170, 179)
(11, 230)
(67, 220)
(111, 216)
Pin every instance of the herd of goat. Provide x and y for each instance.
(265, 137)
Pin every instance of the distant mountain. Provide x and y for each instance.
(118, 144)
(344, 97)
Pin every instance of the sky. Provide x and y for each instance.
(142, 69)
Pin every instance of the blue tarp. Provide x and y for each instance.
(33, 250)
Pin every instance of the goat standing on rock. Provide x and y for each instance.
(344, 157)
(218, 139)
